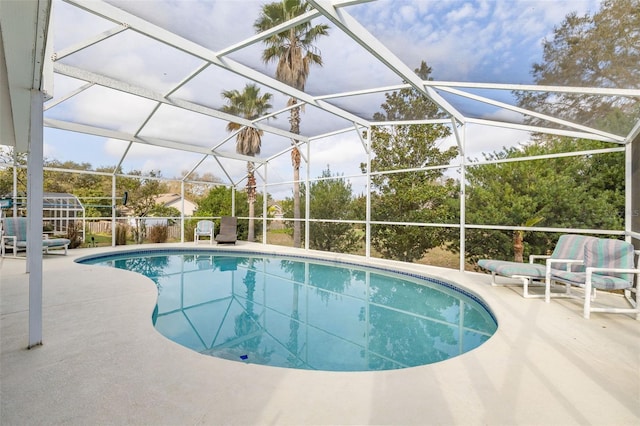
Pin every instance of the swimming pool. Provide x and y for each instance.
(304, 313)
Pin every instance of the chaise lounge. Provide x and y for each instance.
(14, 236)
(569, 249)
(228, 230)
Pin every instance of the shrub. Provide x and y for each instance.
(158, 233)
(121, 235)
(74, 236)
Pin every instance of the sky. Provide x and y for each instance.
(483, 41)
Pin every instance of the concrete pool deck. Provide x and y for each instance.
(102, 362)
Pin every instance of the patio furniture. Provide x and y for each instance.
(14, 236)
(609, 265)
(569, 248)
(204, 228)
(228, 230)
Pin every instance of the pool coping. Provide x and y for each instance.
(102, 362)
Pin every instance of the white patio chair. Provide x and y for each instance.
(204, 228)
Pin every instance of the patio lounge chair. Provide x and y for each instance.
(14, 236)
(609, 265)
(228, 230)
(569, 248)
(204, 228)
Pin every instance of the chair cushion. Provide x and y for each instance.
(571, 246)
(47, 242)
(16, 227)
(602, 282)
(55, 242)
(509, 269)
(610, 253)
(603, 253)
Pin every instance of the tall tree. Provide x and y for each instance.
(250, 105)
(410, 196)
(332, 199)
(294, 51)
(599, 50)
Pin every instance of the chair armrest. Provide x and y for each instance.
(10, 237)
(566, 262)
(533, 257)
(4, 245)
(591, 269)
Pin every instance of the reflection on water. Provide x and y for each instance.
(308, 315)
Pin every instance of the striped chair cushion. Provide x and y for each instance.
(510, 269)
(609, 253)
(571, 246)
(15, 227)
(599, 281)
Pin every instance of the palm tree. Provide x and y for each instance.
(250, 105)
(518, 238)
(295, 52)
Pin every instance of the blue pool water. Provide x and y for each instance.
(304, 313)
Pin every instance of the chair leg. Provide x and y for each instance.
(587, 297)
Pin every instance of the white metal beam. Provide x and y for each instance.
(532, 114)
(635, 131)
(162, 35)
(305, 17)
(89, 42)
(602, 91)
(142, 92)
(411, 122)
(359, 34)
(163, 143)
(67, 96)
(537, 129)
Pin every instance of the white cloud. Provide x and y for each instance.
(465, 12)
(343, 153)
(407, 13)
(483, 139)
(50, 151)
